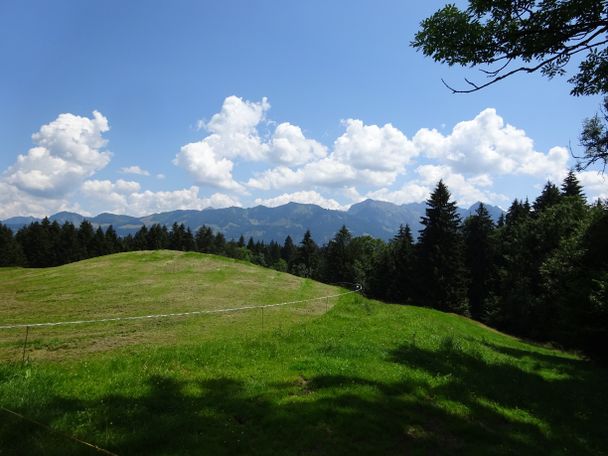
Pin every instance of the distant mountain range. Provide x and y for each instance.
(375, 218)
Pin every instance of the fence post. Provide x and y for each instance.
(262, 308)
(27, 331)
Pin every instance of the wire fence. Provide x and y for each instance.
(176, 314)
(66, 340)
(356, 288)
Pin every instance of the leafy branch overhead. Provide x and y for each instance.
(522, 36)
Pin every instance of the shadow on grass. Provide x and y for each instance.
(560, 414)
(461, 405)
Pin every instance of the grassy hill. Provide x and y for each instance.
(362, 378)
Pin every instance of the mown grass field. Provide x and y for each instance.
(363, 378)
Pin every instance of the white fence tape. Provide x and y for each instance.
(177, 314)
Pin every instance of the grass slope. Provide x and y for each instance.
(364, 378)
(144, 283)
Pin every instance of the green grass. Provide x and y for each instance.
(363, 378)
(144, 283)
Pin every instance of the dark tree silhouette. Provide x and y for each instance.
(441, 267)
(480, 251)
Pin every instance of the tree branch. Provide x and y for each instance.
(567, 52)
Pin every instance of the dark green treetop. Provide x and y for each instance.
(548, 197)
(572, 187)
(440, 250)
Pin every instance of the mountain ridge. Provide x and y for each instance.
(380, 219)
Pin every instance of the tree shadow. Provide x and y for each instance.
(570, 364)
(462, 412)
(555, 411)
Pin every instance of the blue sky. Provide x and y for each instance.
(141, 107)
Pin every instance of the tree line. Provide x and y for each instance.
(540, 272)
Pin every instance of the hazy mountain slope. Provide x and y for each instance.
(375, 218)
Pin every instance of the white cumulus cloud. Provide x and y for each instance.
(14, 202)
(486, 144)
(373, 148)
(233, 134)
(465, 191)
(304, 197)
(289, 146)
(126, 197)
(134, 170)
(594, 184)
(364, 154)
(68, 150)
(207, 167)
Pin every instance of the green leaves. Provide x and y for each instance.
(538, 35)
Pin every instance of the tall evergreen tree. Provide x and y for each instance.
(189, 244)
(176, 236)
(10, 250)
(401, 250)
(517, 212)
(68, 239)
(480, 254)
(98, 243)
(572, 187)
(307, 257)
(140, 240)
(548, 197)
(204, 239)
(157, 237)
(338, 258)
(85, 239)
(274, 253)
(112, 241)
(441, 261)
(513, 262)
(288, 251)
(219, 243)
(36, 244)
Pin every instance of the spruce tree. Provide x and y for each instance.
(307, 257)
(338, 258)
(10, 250)
(517, 212)
(36, 244)
(68, 239)
(176, 236)
(274, 253)
(219, 244)
(288, 251)
(572, 187)
(98, 243)
(550, 196)
(204, 239)
(401, 250)
(85, 239)
(480, 260)
(140, 240)
(157, 237)
(441, 265)
(189, 244)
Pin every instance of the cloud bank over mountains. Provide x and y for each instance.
(279, 164)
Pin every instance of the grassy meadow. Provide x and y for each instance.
(352, 376)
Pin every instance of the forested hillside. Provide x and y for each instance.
(540, 272)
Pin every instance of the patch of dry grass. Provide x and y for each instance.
(145, 283)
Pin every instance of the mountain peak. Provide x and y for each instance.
(380, 219)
